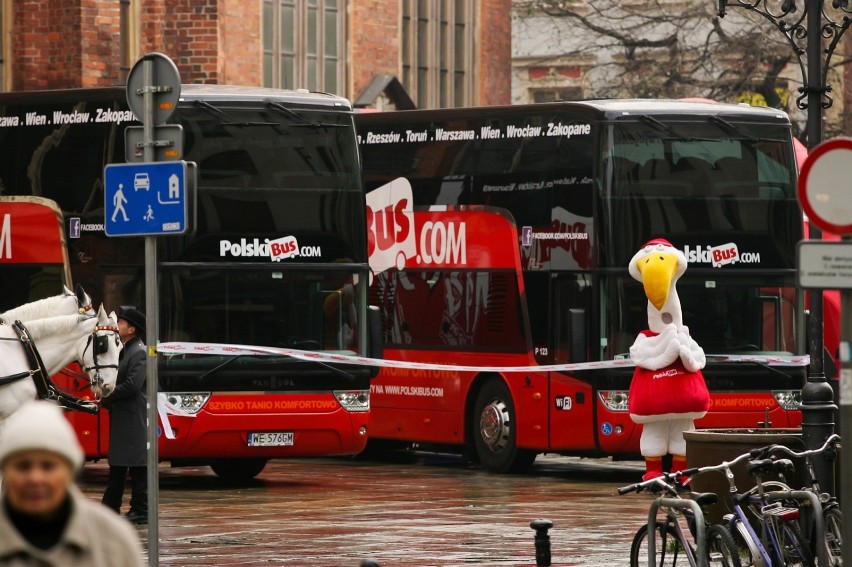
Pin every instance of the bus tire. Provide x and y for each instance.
(494, 430)
(238, 471)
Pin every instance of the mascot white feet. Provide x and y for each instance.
(668, 391)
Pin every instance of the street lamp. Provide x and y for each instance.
(811, 26)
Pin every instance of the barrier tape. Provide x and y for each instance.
(165, 408)
(174, 348)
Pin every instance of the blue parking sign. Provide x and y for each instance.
(145, 199)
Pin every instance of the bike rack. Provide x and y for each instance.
(701, 546)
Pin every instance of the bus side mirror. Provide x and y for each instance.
(376, 346)
(579, 340)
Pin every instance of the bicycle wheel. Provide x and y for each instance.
(791, 543)
(833, 520)
(721, 549)
(747, 549)
(669, 549)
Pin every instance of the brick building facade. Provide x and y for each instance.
(52, 44)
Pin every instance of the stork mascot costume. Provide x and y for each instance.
(668, 391)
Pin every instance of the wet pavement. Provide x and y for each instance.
(419, 510)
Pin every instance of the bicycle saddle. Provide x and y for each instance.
(768, 466)
(704, 498)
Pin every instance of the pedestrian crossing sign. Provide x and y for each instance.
(145, 199)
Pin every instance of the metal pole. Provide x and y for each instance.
(817, 396)
(123, 40)
(542, 542)
(152, 324)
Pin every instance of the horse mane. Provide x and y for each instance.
(39, 309)
(60, 325)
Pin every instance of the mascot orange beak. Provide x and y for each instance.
(658, 270)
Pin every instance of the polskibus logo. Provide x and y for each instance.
(394, 238)
(718, 256)
(276, 250)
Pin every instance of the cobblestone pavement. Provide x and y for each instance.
(417, 511)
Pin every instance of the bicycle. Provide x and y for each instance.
(776, 509)
(830, 507)
(670, 545)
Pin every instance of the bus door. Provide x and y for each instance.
(573, 411)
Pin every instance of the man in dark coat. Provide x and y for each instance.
(127, 406)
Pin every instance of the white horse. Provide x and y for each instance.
(66, 303)
(32, 352)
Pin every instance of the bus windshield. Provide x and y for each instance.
(735, 314)
(238, 147)
(672, 178)
(265, 306)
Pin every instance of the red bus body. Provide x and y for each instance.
(218, 431)
(546, 283)
(263, 178)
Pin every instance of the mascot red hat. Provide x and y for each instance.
(668, 391)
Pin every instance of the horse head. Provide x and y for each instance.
(98, 353)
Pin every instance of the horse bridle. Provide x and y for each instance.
(100, 345)
(45, 388)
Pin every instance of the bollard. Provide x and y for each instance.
(542, 542)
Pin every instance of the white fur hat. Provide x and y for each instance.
(40, 425)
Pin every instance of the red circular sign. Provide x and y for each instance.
(825, 186)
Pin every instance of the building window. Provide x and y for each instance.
(437, 52)
(303, 44)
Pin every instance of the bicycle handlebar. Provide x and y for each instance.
(761, 452)
(722, 466)
(664, 483)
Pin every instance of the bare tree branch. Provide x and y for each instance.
(662, 48)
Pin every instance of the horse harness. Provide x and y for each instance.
(45, 387)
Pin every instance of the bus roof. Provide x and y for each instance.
(229, 92)
(618, 107)
(610, 109)
(189, 92)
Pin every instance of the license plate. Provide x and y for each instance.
(276, 439)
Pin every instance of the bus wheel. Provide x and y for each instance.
(238, 471)
(494, 430)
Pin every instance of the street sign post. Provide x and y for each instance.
(168, 142)
(163, 83)
(143, 199)
(151, 199)
(824, 193)
(824, 265)
(825, 184)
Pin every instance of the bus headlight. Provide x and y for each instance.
(788, 399)
(187, 402)
(613, 400)
(353, 400)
